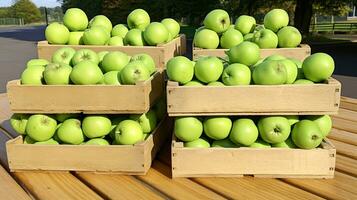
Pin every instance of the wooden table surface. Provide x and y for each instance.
(157, 184)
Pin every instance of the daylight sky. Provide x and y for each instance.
(47, 3)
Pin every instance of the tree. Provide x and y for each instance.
(27, 10)
(90, 7)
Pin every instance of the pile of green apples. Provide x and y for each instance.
(245, 67)
(86, 67)
(139, 31)
(218, 32)
(75, 129)
(306, 132)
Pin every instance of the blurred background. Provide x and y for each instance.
(329, 26)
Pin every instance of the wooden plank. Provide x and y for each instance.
(345, 149)
(349, 103)
(347, 114)
(254, 188)
(344, 124)
(341, 187)
(343, 136)
(159, 176)
(253, 99)
(346, 165)
(9, 189)
(85, 98)
(113, 186)
(349, 100)
(5, 111)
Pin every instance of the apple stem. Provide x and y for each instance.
(315, 137)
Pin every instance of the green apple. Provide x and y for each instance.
(289, 37)
(217, 128)
(134, 37)
(245, 24)
(248, 37)
(306, 134)
(260, 144)
(172, 26)
(86, 73)
(244, 132)
(63, 55)
(225, 143)
(96, 35)
(147, 121)
(40, 127)
(258, 27)
(324, 122)
(128, 132)
(116, 41)
(36, 62)
(318, 67)
(18, 123)
(57, 33)
(291, 70)
(293, 119)
(156, 33)
(70, 132)
(114, 61)
(270, 72)
(32, 75)
(276, 19)
(236, 74)
(139, 19)
(134, 72)
(75, 38)
(265, 39)
(112, 78)
(75, 19)
(274, 57)
(57, 74)
(230, 38)
(85, 54)
(101, 20)
(274, 129)
(247, 53)
(198, 143)
(169, 38)
(28, 140)
(97, 141)
(288, 143)
(101, 55)
(298, 64)
(63, 116)
(188, 129)
(193, 83)
(146, 59)
(217, 20)
(215, 83)
(119, 30)
(94, 126)
(51, 141)
(208, 69)
(206, 39)
(303, 81)
(180, 69)
(115, 121)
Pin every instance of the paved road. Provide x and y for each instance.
(19, 45)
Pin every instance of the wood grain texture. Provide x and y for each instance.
(345, 149)
(9, 189)
(341, 187)
(347, 114)
(346, 165)
(343, 136)
(159, 176)
(344, 124)
(114, 186)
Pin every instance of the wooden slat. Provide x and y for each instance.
(348, 105)
(341, 187)
(9, 189)
(118, 186)
(343, 136)
(346, 165)
(347, 114)
(159, 176)
(349, 100)
(5, 111)
(345, 149)
(254, 188)
(344, 124)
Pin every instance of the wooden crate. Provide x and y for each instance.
(161, 53)
(299, 53)
(122, 159)
(289, 99)
(107, 99)
(271, 163)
